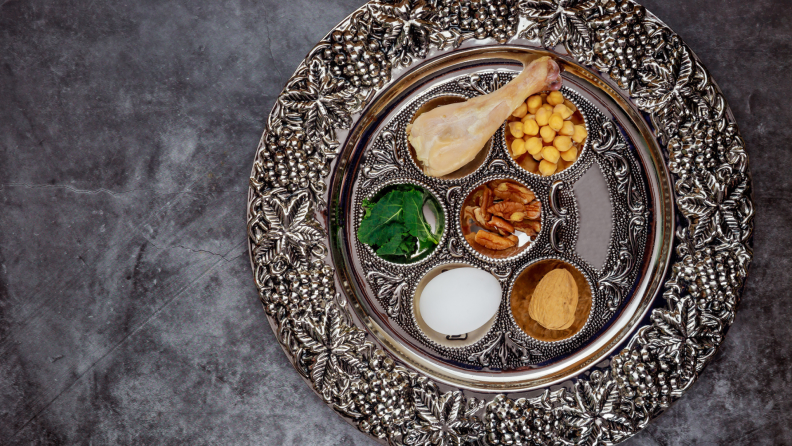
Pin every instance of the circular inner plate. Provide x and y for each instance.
(652, 221)
(638, 245)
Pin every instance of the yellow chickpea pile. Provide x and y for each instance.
(546, 133)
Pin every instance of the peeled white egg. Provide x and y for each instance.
(460, 300)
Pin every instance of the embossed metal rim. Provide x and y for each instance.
(634, 52)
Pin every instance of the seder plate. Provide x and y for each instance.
(663, 291)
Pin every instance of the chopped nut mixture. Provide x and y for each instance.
(501, 208)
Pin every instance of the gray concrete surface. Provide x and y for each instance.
(127, 308)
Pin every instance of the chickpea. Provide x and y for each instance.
(555, 98)
(533, 145)
(569, 155)
(567, 130)
(534, 103)
(556, 122)
(530, 127)
(562, 143)
(542, 117)
(517, 147)
(580, 134)
(563, 110)
(570, 106)
(551, 154)
(521, 111)
(548, 134)
(547, 168)
(516, 129)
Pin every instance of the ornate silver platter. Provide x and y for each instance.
(661, 295)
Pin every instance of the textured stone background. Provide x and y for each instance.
(127, 308)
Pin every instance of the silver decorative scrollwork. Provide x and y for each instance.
(559, 217)
(618, 274)
(506, 348)
(482, 86)
(391, 289)
(382, 161)
(452, 195)
(711, 182)
(498, 164)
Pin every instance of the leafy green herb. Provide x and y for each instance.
(395, 226)
(367, 205)
(414, 217)
(378, 227)
(399, 245)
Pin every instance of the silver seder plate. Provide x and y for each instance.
(675, 195)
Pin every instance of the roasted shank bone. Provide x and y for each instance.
(448, 137)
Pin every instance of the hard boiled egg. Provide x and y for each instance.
(460, 300)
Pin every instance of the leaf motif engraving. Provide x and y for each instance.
(289, 236)
(561, 22)
(382, 161)
(504, 351)
(331, 346)
(668, 93)
(390, 291)
(444, 419)
(408, 26)
(320, 103)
